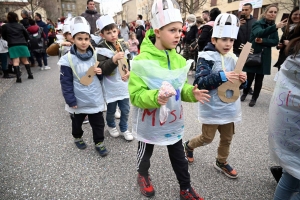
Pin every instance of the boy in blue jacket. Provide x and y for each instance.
(214, 67)
(82, 100)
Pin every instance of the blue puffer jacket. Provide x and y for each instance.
(89, 99)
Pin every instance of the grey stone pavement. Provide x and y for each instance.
(38, 159)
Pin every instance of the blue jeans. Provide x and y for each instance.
(288, 188)
(110, 114)
(40, 56)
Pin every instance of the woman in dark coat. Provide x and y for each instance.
(16, 36)
(291, 31)
(190, 37)
(263, 36)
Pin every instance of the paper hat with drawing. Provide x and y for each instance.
(221, 29)
(79, 24)
(165, 12)
(103, 21)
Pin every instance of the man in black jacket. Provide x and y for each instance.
(243, 37)
(25, 16)
(246, 22)
(91, 15)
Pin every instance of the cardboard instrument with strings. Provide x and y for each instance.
(246, 49)
(122, 64)
(87, 79)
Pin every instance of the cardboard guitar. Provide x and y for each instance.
(122, 64)
(246, 49)
(87, 79)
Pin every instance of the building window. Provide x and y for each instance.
(68, 6)
(73, 6)
(7, 9)
(63, 6)
(213, 3)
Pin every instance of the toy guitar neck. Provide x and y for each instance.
(122, 64)
(246, 49)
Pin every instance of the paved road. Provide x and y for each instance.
(38, 159)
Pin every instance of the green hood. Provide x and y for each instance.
(150, 52)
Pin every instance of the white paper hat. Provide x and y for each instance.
(103, 21)
(79, 24)
(66, 26)
(165, 12)
(221, 30)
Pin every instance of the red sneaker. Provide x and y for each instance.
(189, 194)
(146, 186)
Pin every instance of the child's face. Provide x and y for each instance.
(82, 42)
(69, 37)
(223, 45)
(111, 35)
(169, 36)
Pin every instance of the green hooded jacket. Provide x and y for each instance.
(140, 95)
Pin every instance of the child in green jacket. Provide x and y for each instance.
(158, 62)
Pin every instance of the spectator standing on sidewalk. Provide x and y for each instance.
(25, 16)
(91, 15)
(51, 32)
(4, 56)
(243, 37)
(40, 23)
(190, 37)
(37, 44)
(291, 31)
(16, 36)
(264, 36)
(206, 32)
(205, 15)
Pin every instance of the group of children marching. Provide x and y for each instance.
(156, 64)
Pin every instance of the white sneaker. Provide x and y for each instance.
(127, 135)
(113, 131)
(42, 68)
(46, 67)
(117, 114)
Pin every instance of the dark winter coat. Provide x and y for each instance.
(206, 33)
(42, 24)
(15, 34)
(243, 35)
(268, 33)
(36, 43)
(91, 16)
(291, 35)
(25, 22)
(191, 35)
(139, 34)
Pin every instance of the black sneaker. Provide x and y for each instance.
(145, 185)
(101, 149)
(188, 152)
(250, 91)
(243, 97)
(79, 143)
(252, 102)
(189, 194)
